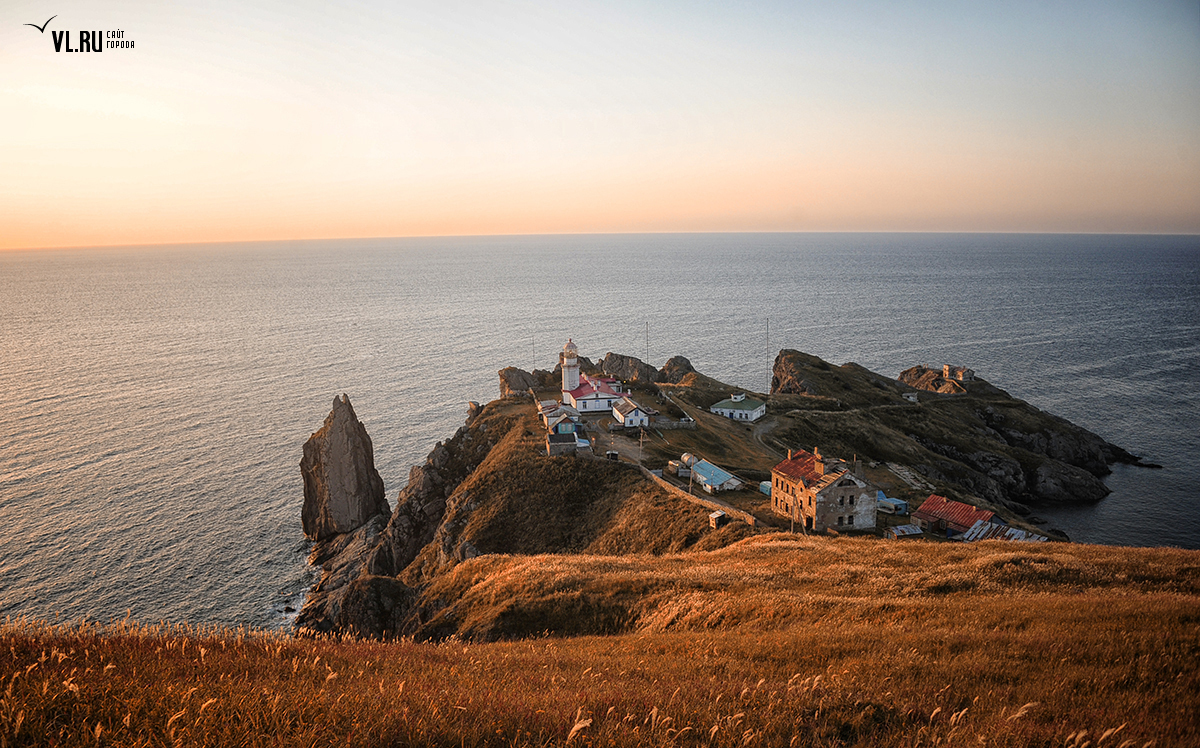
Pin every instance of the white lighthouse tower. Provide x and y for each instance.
(569, 360)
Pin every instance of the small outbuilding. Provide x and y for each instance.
(561, 444)
(952, 517)
(982, 530)
(712, 478)
(629, 414)
(902, 531)
(740, 408)
(886, 505)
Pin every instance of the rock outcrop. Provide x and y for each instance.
(787, 376)
(974, 436)
(628, 368)
(489, 490)
(676, 368)
(359, 590)
(516, 382)
(342, 489)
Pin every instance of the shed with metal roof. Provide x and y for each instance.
(713, 478)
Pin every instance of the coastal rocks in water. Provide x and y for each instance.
(359, 590)
(341, 558)
(516, 382)
(342, 489)
(676, 368)
(628, 368)
(787, 376)
(419, 511)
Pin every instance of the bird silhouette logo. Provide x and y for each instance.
(42, 29)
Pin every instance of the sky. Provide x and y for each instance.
(241, 121)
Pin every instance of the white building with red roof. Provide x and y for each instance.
(585, 393)
(820, 494)
(593, 395)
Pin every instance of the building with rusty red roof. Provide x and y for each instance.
(821, 494)
(953, 517)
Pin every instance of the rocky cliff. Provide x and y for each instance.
(516, 382)
(788, 374)
(489, 490)
(628, 368)
(674, 371)
(342, 489)
(976, 436)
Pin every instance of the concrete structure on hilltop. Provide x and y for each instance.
(960, 373)
(819, 495)
(740, 408)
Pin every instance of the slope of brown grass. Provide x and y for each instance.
(1034, 647)
(518, 500)
(775, 641)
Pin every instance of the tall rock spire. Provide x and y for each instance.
(342, 489)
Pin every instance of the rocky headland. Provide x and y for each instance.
(490, 495)
(970, 435)
(490, 490)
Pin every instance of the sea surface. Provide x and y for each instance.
(154, 400)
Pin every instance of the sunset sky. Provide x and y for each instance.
(281, 120)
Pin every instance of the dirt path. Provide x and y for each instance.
(763, 429)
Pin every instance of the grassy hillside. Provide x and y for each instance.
(518, 500)
(773, 641)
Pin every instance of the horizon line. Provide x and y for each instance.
(49, 248)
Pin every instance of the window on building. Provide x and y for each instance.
(839, 521)
(841, 501)
(851, 501)
(850, 520)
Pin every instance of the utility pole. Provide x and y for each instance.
(769, 351)
(647, 359)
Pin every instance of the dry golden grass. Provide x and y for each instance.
(772, 642)
(727, 443)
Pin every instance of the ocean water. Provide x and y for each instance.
(153, 401)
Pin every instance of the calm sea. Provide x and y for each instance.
(153, 401)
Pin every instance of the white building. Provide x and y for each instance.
(740, 408)
(630, 413)
(585, 394)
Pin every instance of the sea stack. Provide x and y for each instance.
(342, 489)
